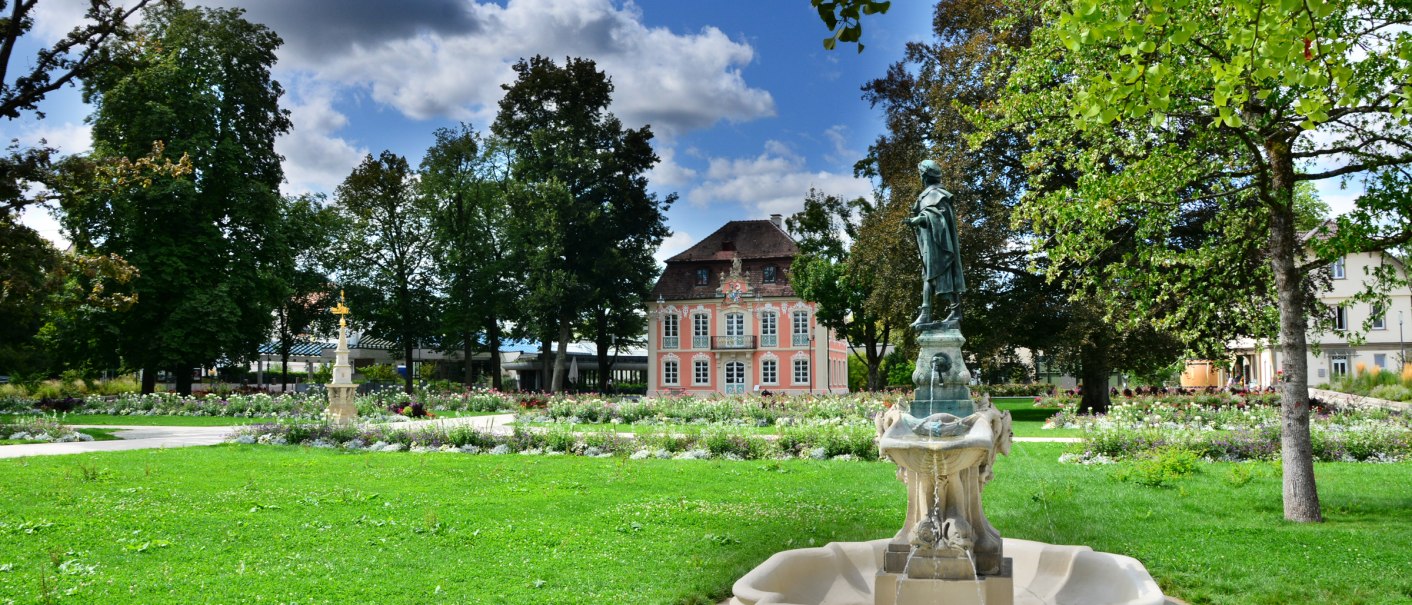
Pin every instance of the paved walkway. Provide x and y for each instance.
(129, 438)
(154, 437)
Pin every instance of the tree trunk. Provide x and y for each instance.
(561, 359)
(1095, 372)
(407, 352)
(492, 341)
(183, 380)
(149, 381)
(1301, 496)
(284, 369)
(468, 379)
(546, 369)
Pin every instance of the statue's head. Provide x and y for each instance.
(930, 171)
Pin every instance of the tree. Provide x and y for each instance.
(587, 218)
(844, 19)
(386, 251)
(198, 81)
(828, 272)
(1276, 94)
(307, 233)
(466, 176)
(71, 58)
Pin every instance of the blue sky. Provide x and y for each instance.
(749, 110)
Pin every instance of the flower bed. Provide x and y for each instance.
(858, 408)
(817, 442)
(1229, 432)
(40, 429)
(259, 405)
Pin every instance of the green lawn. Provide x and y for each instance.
(247, 524)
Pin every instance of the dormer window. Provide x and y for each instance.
(771, 273)
(703, 277)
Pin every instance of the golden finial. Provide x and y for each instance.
(341, 310)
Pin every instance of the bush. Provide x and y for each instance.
(1391, 392)
(1161, 467)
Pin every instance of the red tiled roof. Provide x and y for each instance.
(758, 244)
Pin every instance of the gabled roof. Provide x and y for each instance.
(1325, 230)
(746, 239)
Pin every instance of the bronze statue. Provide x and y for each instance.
(934, 221)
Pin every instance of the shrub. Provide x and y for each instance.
(1161, 467)
(1391, 392)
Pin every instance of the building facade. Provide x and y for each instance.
(1382, 332)
(726, 320)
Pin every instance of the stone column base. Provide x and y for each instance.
(894, 589)
(340, 403)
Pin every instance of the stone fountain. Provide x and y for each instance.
(945, 446)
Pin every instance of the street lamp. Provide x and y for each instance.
(1401, 345)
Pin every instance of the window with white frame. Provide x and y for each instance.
(801, 371)
(1336, 269)
(1340, 314)
(700, 331)
(1338, 365)
(769, 329)
(701, 372)
(1379, 318)
(735, 324)
(671, 372)
(801, 328)
(671, 331)
(770, 371)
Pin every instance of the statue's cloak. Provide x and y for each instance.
(936, 239)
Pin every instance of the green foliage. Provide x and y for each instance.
(386, 252)
(844, 18)
(581, 206)
(198, 88)
(1160, 468)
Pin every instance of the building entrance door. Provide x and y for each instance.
(735, 378)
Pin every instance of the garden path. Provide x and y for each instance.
(129, 438)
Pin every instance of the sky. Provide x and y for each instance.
(748, 109)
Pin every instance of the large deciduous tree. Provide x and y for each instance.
(587, 218)
(197, 80)
(308, 232)
(466, 176)
(387, 252)
(1221, 109)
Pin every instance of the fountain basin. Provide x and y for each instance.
(844, 573)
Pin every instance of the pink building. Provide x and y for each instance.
(725, 320)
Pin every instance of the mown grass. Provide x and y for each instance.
(247, 524)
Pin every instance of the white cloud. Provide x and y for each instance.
(315, 159)
(67, 137)
(673, 245)
(667, 172)
(774, 182)
(675, 82)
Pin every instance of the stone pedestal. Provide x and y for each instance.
(940, 375)
(897, 589)
(340, 402)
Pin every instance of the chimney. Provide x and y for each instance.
(778, 220)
